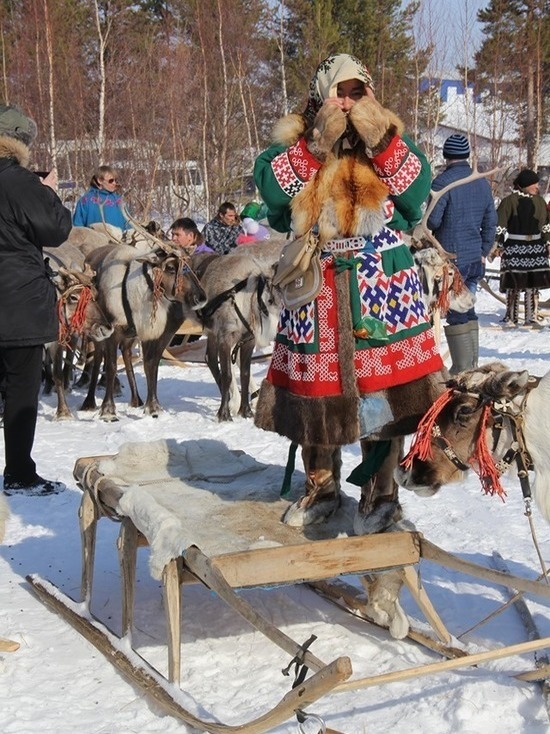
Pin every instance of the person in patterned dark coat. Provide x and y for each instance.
(523, 236)
(344, 362)
(221, 232)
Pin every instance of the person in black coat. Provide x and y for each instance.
(31, 217)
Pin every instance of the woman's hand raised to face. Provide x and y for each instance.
(329, 125)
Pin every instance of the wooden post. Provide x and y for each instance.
(443, 665)
(172, 608)
(88, 516)
(127, 557)
(417, 591)
(8, 645)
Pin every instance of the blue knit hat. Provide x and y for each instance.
(456, 147)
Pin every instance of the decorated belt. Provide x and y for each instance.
(524, 237)
(346, 244)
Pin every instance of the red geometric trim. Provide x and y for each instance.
(294, 168)
(398, 166)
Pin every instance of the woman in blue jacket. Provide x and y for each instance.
(101, 203)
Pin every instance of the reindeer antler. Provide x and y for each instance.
(422, 227)
(84, 277)
(164, 245)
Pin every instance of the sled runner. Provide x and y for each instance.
(143, 486)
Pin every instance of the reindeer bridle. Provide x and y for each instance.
(74, 325)
(495, 413)
(183, 268)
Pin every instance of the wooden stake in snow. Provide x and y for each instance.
(8, 645)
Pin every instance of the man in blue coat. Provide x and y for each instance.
(464, 221)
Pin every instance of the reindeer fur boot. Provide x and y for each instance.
(383, 605)
(379, 508)
(376, 515)
(512, 307)
(322, 488)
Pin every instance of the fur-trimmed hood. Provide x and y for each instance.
(12, 148)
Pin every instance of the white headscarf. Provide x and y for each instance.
(330, 72)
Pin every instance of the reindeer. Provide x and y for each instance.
(79, 315)
(241, 314)
(487, 419)
(146, 296)
(442, 285)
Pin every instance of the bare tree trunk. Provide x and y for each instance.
(254, 121)
(205, 113)
(4, 68)
(281, 45)
(225, 103)
(51, 116)
(102, 39)
(531, 70)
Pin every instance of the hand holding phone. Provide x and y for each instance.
(50, 179)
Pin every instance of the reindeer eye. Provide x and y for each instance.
(463, 413)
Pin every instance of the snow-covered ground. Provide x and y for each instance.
(58, 682)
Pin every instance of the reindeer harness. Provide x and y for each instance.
(229, 295)
(74, 325)
(494, 414)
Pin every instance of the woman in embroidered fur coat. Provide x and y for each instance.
(360, 360)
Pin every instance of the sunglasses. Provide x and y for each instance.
(111, 180)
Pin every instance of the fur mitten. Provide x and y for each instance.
(328, 127)
(374, 124)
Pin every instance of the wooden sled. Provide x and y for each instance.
(291, 558)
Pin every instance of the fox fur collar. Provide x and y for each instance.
(12, 148)
(345, 198)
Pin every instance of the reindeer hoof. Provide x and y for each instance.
(318, 512)
(88, 406)
(109, 418)
(379, 519)
(246, 413)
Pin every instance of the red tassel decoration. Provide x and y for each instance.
(76, 324)
(487, 471)
(421, 446)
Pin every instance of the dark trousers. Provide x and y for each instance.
(20, 377)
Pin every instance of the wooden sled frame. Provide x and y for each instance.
(311, 562)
